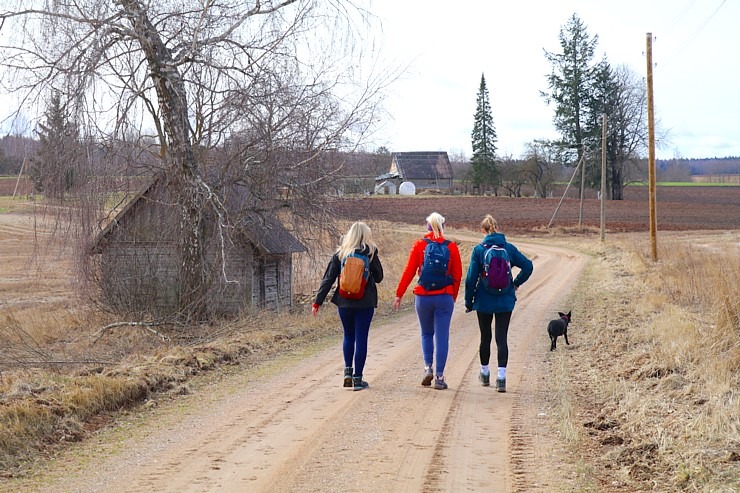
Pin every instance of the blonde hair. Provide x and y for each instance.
(489, 224)
(358, 236)
(436, 222)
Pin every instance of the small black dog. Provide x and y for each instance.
(557, 328)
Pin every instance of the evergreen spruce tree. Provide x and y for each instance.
(484, 169)
(571, 86)
(52, 169)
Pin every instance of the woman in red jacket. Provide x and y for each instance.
(437, 262)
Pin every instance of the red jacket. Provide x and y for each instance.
(413, 268)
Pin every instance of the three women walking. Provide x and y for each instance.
(437, 262)
(490, 290)
(357, 266)
(493, 295)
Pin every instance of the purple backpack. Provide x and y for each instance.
(496, 269)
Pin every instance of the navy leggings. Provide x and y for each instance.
(435, 313)
(356, 324)
(501, 330)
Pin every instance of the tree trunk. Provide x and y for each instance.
(173, 105)
(617, 187)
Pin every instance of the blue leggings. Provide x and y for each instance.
(356, 324)
(435, 313)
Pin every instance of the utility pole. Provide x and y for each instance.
(603, 175)
(25, 160)
(651, 148)
(583, 186)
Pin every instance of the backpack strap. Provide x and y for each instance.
(428, 241)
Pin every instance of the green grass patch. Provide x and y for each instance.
(683, 184)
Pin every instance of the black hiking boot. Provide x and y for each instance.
(347, 376)
(359, 384)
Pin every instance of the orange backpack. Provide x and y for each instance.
(353, 276)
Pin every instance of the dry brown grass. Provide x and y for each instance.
(654, 379)
(60, 376)
(647, 395)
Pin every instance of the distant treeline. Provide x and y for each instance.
(14, 148)
(704, 166)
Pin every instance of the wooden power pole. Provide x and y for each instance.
(603, 175)
(583, 186)
(651, 148)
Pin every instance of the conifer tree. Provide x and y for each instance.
(52, 169)
(571, 85)
(483, 163)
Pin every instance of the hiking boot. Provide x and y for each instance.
(347, 376)
(500, 385)
(359, 384)
(485, 379)
(428, 376)
(439, 383)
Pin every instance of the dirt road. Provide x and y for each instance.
(298, 430)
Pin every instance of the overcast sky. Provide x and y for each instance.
(448, 45)
(445, 46)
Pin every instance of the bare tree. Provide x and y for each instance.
(626, 130)
(540, 166)
(513, 176)
(259, 94)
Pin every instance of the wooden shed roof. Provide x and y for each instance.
(265, 232)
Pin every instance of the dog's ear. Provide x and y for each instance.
(568, 315)
(561, 314)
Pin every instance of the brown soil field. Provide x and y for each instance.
(8, 186)
(677, 209)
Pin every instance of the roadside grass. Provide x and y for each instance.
(650, 394)
(61, 377)
(647, 396)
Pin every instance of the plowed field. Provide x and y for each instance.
(677, 209)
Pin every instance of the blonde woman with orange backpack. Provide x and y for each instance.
(357, 268)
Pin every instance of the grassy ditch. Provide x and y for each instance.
(650, 398)
(61, 378)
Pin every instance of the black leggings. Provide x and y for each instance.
(502, 329)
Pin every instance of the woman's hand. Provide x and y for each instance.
(314, 309)
(397, 303)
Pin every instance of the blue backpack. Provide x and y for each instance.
(434, 269)
(496, 275)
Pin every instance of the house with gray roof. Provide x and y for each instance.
(426, 170)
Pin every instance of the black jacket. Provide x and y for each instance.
(369, 299)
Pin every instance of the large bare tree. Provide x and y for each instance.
(540, 166)
(258, 93)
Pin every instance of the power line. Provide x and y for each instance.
(686, 9)
(693, 36)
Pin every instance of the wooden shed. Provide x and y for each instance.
(248, 267)
(426, 170)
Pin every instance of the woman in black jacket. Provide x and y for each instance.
(356, 305)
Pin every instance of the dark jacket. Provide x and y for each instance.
(476, 295)
(369, 299)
